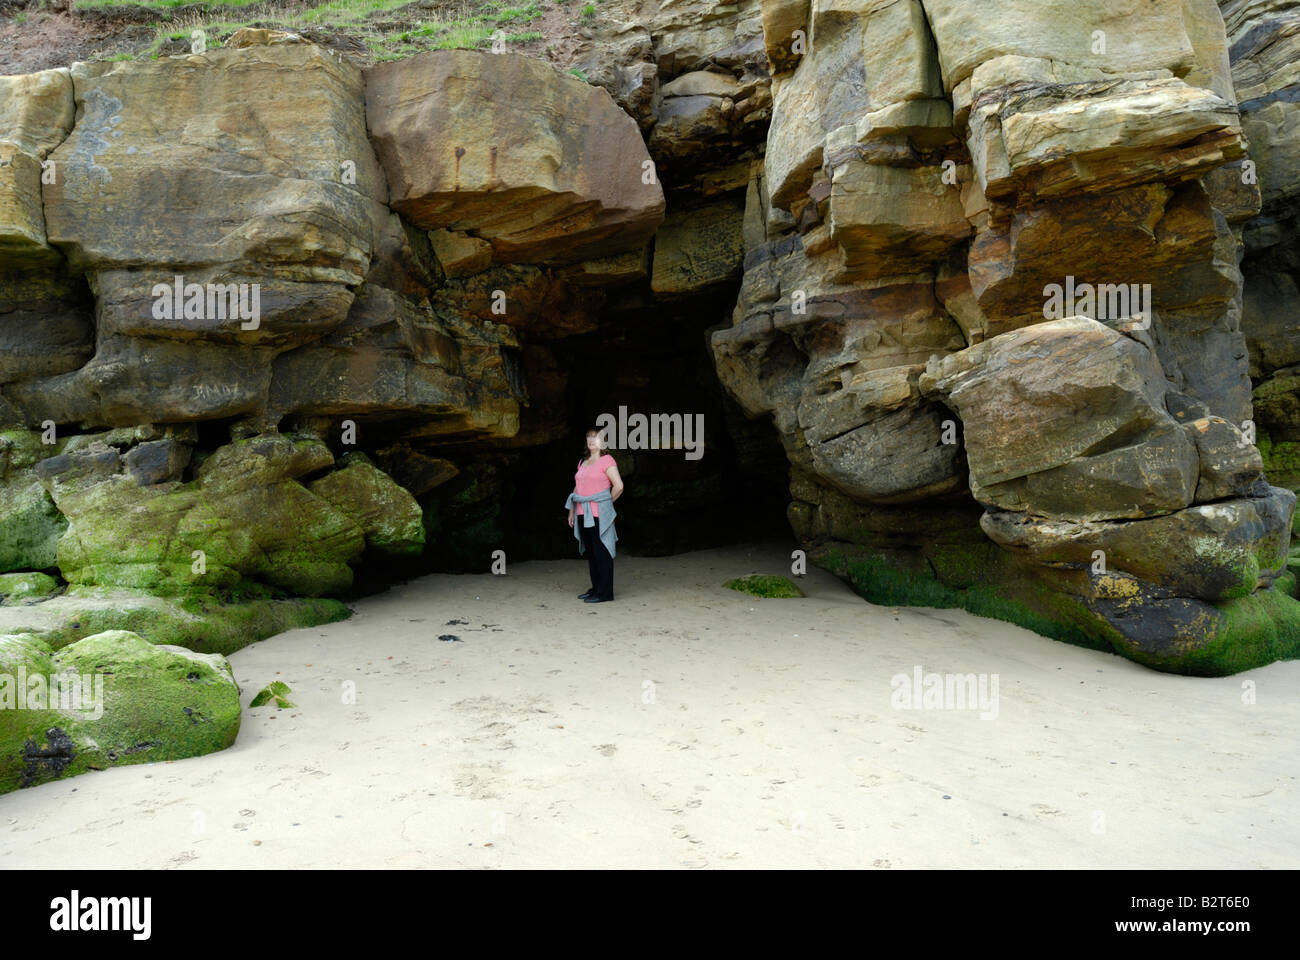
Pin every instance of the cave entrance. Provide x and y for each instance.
(646, 357)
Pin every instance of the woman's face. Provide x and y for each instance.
(593, 442)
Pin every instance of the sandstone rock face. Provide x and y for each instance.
(999, 251)
(388, 515)
(986, 270)
(233, 232)
(698, 249)
(1067, 419)
(1265, 54)
(45, 313)
(542, 166)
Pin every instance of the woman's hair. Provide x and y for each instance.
(601, 443)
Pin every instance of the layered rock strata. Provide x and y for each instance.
(993, 276)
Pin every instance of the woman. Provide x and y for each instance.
(596, 486)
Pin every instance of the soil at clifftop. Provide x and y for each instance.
(38, 34)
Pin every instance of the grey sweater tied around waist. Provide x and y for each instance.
(607, 535)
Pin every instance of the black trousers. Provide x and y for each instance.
(599, 563)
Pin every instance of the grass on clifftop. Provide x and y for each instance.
(382, 29)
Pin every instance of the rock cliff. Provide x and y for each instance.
(995, 280)
(1006, 299)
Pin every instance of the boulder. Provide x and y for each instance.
(542, 166)
(119, 700)
(1214, 552)
(17, 587)
(243, 516)
(205, 623)
(387, 514)
(1019, 396)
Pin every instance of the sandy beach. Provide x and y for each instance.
(690, 726)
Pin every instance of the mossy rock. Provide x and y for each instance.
(22, 657)
(1191, 637)
(20, 449)
(1116, 613)
(388, 515)
(139, 703)
(276, 690)
(768, 587)
(206, 624)
(1281, 463)
(15, 587)
(203, 537)
(887, 579)
(30, 525)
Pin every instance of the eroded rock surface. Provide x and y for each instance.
(998, 252)
(981, 271)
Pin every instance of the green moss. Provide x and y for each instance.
(30, 525)
(21, 586)
(770, 587)
(21, 656)
(201, 623)
(1008, 594)
(276, 690)
(244, 514)
(1289, 579)
(965, 563)
(1281, 462)
(1037, 607)
(23, 448)
(1230, 637)
(880, 580)
(1190, 637)
(139, 703)
(386, 513)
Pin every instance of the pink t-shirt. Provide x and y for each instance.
(590, 480)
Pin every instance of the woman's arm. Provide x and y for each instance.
(615, 481)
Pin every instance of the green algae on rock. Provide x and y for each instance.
(770, 587)
(386, 513)
(30, 524)
(132, 702)
(15, 587)
(205, 624)
(1114, 611)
